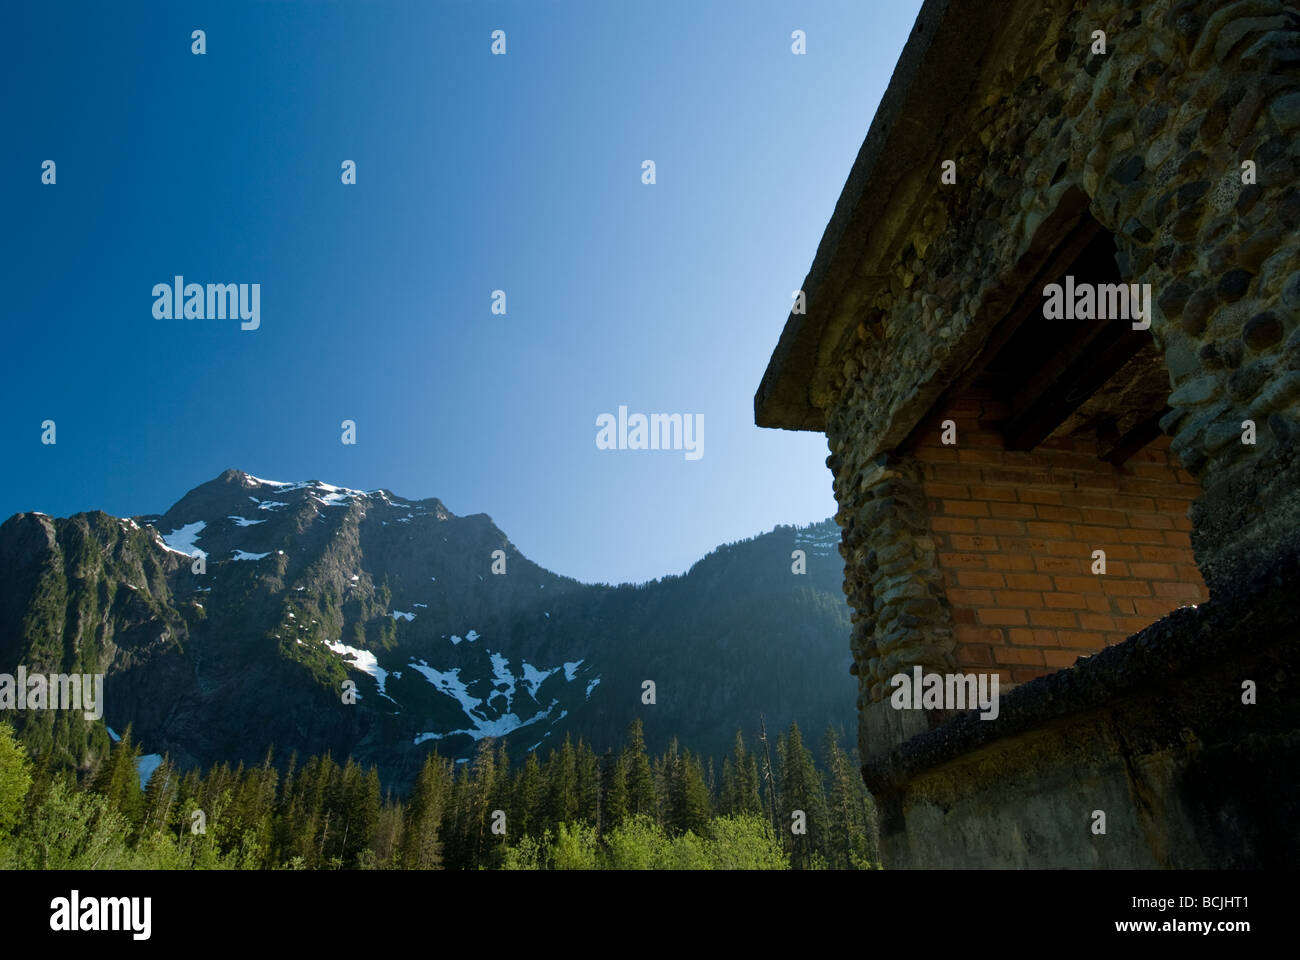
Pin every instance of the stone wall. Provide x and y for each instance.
(1151, 137)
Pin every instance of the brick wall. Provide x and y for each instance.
(1015, 533)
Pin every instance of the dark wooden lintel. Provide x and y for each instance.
(1118, 448)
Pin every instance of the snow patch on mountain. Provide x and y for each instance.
(245, 523)
(245, 555)
(183, 541)
(362, 660)
(533, 678)
(502, 725)
(333, 499)
(502, 677)
(268, 483)
(448, 682)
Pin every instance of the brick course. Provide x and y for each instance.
(1015, 532)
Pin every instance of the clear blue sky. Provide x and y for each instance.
(474, 173)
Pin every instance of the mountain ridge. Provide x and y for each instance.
(307, 586)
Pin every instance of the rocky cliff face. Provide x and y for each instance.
(305, 589)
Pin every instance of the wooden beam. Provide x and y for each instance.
(1082, 232)
(1119, 448)
(1092, 354)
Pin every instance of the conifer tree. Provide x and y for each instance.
(641, 796)
(587, 785)
(160, 798)
(529, 797)
(422, 843)
(118, 780)
(483, 791)
(615, 790)
(562, 785)
(801, 788)
(688, 794)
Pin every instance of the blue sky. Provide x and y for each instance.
(474, 173)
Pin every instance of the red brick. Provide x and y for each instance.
(1153, 571)
(1098, 537)
(1012, 511)
(1122, 551)
(1054, 618)
(1061, 514)
(1019, 598)
(1009, 528)
(1082, 640)
(965, 508)
(1050, 531)
(1078, 584)
(1185, 591)
(1021, 477)
(1085, 498)
(957, 473)
(961, 560)
(1069, 548)
(1090, 481)
(1154, 608)
(1031, 495)
(1064, 601)
(1131, 625)
(1033, 638)
(996, 615)
(954, 490)
(1130, 504)
(967, 544)
(1097, 621)
(1025, 674)
(1098, 602)
(1164, 554)
(968, 455)
(978, 635)
(980, 579)
(983, 492)
(1148, 489)
(1058, 564)
(1022, 655)
(1150, 521)
(1011, 561)
(1029, 581)
(1060, 658)
(1105, 518)
(1030, 545)
(973, 655)
(1125, 588)
(952, 524)
(1139, 536)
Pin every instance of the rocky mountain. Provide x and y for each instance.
(241, 618)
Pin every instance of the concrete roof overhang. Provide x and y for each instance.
(934, 79)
